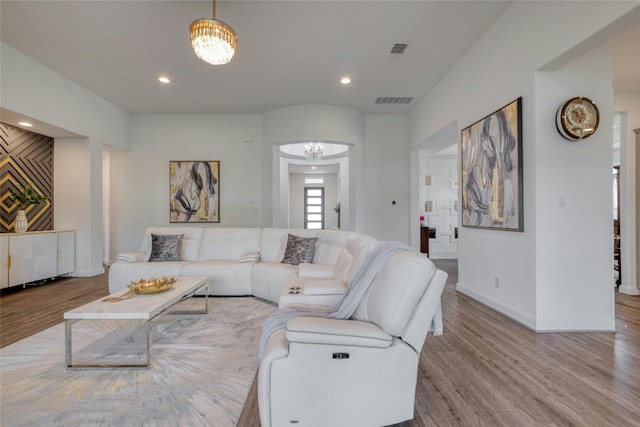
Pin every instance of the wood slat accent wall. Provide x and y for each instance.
(26, 158)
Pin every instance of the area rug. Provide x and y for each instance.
(202, 367)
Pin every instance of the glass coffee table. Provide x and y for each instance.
(138, 308)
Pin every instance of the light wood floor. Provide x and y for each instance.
(486, 370)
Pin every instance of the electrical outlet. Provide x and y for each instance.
(496, 282)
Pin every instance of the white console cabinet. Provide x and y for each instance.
(32, 256)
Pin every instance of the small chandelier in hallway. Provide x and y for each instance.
(313, 151)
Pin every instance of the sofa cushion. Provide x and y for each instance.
(330, 245)
(268, 279)
(299, 249)
(353, 256)
(323, 287)
(315, 271)
(395, 291)
(225, 277)
(228, 243)
(165, 247)
(190, 242)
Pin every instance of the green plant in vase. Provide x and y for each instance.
(24, 198)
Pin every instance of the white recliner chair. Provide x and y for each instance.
(356, 372)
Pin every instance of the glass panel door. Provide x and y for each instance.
(314, 208)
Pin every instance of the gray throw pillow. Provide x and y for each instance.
(299, 249)
(165, 247)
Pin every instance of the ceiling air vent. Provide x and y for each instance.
(399, 48)
(394, 100)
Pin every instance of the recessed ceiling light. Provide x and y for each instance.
(25, 124)
(313, 167)
(345, 80)
(164, 79)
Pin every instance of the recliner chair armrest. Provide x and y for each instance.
(131, 257)
(324, 287)
(315, 271)
(317, 330)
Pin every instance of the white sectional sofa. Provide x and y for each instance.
(314, 371)
(247, 261)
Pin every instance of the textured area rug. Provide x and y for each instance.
(202, 367)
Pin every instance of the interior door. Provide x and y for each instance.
(314, 208)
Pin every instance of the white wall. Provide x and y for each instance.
(327, 123)
(78, 199)
(38, 93)
(31, 89)
(313, 123)
(574, 239)
(499, 68)
(140, 177)
(385, 179)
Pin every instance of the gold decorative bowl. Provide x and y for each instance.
(153, 285)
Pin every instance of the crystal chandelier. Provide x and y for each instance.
(213, 41)
(313, 151)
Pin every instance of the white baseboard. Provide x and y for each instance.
(522, 318)
(88, 273)
(546, 325)
(443, 254)
(576, 325)
(628, 290)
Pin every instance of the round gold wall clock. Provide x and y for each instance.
(577, 119)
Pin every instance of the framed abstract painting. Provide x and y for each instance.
(194, 191)
(491, 163)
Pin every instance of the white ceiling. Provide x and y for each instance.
(289, 52)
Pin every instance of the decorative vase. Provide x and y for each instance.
(21, 223)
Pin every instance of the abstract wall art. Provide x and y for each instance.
(491, 166)
(194, 191)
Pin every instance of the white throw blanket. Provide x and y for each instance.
(358, 287)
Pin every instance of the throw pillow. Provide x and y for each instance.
(165, 247)
(299, 249)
